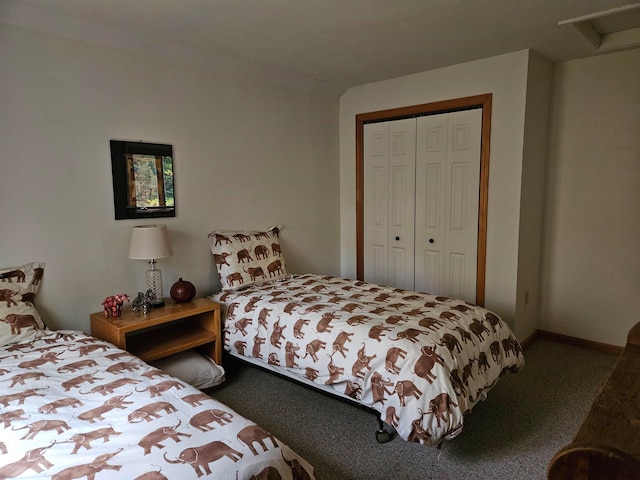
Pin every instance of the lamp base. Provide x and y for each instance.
(154, 283)
(157, 303)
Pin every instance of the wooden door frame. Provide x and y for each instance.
(466, 103)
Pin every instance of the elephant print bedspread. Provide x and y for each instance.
(75, 407)
(420, 360)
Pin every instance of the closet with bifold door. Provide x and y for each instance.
(421, 202)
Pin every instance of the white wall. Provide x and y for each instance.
(247, 155)
(532, 196)
(591, 270)
(505, 77)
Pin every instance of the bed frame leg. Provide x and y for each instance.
(382, 436)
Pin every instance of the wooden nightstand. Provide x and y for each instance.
(164, 331)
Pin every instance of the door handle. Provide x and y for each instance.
(431, 240)
(397, 238)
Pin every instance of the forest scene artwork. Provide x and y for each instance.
(149, 181)
(143, 179)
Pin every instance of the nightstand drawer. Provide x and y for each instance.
(169, 340)
(164, 331)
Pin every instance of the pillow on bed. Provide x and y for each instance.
(191, 367)
(247, 258)
(19, 318)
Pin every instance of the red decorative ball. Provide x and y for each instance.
(182, 291)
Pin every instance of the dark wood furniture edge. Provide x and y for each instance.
(607, 445)
(634, 335)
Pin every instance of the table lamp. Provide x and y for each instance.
(150, 242)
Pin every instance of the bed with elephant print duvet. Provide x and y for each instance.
(75, 407)
(421, 361)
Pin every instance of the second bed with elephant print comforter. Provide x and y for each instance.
(75, 407)
(422, 361)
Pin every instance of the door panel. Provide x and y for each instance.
(389, 159)
(421, 198)
(484, 104)
(456, 278)
(376, 195)
(377, 267)
(402, 162)
(462, 219)
(434, 271)
(458, 198)
(431, 186)
(448, 143)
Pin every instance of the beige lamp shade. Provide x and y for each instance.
(150, 242)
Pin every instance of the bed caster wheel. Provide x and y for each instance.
(382, 436)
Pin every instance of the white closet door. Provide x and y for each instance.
(389, 202)
(447, 196)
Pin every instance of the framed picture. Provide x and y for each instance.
(143, 180)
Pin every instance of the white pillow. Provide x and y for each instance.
(245, 258)
(191, 367)
(19, 318)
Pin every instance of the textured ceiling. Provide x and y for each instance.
(325, 46)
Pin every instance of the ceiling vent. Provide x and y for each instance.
(615, 29)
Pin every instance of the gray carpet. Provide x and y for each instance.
(512, 435)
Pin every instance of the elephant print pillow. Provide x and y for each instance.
(19, 318)
(247, 258)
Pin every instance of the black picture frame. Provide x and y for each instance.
(143, 180)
